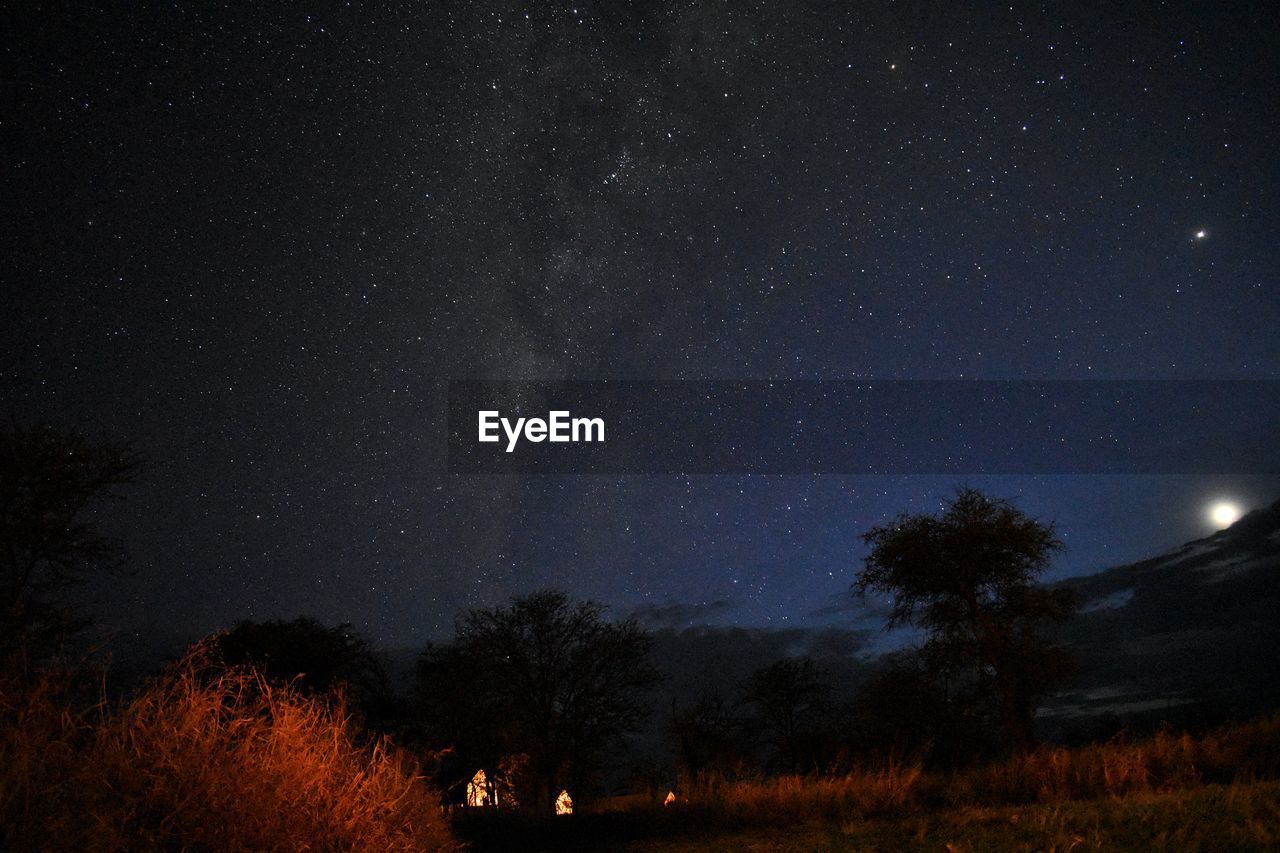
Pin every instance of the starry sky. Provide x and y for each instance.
(257, 241)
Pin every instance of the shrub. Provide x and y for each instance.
(205, 758)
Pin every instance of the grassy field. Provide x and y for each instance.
(1214, 791)
(1241, 816)
(1211, 817)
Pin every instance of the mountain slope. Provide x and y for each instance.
(1197, 628)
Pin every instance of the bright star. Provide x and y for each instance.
(1201, 234)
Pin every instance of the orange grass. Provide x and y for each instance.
(785, 799)
(1241, 752)
(205, 758)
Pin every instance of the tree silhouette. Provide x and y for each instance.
(705, 736)
(544, 677)
(968, 577)
(895, 715)
(51, 483)
(791, 699)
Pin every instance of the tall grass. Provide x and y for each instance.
(205, 758)
(1166, 762)
(785, 799)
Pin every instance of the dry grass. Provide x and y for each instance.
(205, 759)
(1167, 762)
(1240, 752)
(788, 799)
(1241, 816)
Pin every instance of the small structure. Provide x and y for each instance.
(671, 799)
(480, 792)
(564, 803)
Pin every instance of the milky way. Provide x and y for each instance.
(257, 242)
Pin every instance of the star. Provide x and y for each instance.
(797, 226)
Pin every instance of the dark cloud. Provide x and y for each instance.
(714, 661)
(675, 615)
(851, 605)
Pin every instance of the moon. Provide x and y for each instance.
(1224, 514)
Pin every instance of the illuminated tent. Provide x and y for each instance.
(671, 798)
(564, 803)
(480, 792)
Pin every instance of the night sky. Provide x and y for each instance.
(256, 241)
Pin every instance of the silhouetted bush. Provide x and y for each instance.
(314, 658)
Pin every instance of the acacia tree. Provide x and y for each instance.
(544, 677)
(51, 481)
(969, 578)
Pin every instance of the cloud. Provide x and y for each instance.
(673, 614)
(706, 660)
(865, 611)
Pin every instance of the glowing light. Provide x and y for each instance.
(1224, 514)
(479, 792)
(1201, 234)
(564, 803)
